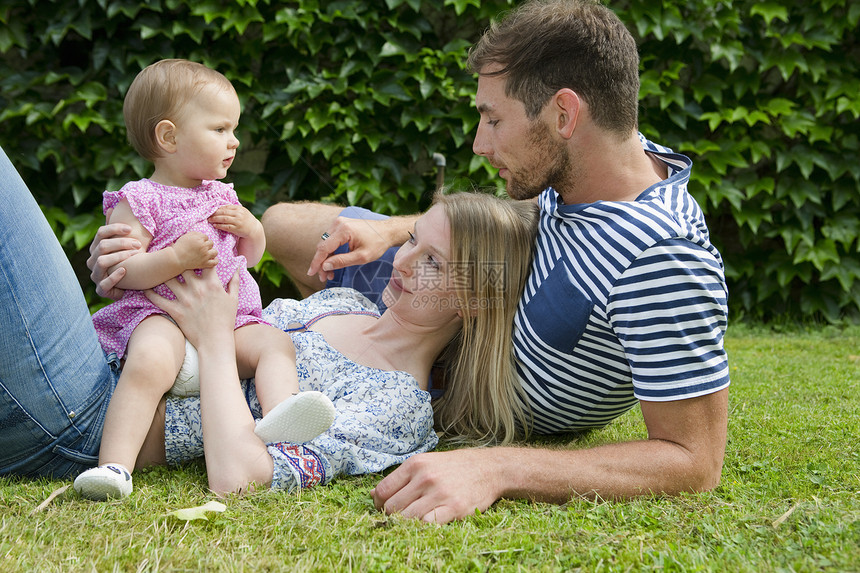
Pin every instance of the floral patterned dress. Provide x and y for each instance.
(382, 417)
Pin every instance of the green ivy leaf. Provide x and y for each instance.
(849, 104)
(460, 6)
(818, 254)
(770, 11)
(842, 229)
(752, 217)
(709, 86)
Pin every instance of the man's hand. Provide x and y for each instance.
(195, 251)
(368, 240)
(237, 220)
(441, 486)
(111, 246)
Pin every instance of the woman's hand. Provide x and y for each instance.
(236, 459)
(111, 246)
(202, 308)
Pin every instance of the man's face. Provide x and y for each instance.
(528, 155)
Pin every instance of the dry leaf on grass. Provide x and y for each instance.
(199, 512)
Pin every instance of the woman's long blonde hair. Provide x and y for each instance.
(492, 240)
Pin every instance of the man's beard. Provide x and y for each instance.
(553, 170)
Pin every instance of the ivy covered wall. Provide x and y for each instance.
(348, 101)
(765, 97)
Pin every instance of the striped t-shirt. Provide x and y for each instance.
(626, 301)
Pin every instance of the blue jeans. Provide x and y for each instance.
(55, 382)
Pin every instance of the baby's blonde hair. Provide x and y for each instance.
(492, 240)
(160, 91)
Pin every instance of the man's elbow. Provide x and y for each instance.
(714, 474)
(706, 478)
(695, 471)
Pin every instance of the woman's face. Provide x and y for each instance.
(423, 281)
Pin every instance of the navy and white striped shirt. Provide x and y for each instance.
(626, 301)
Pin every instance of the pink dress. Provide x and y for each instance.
(168, 213)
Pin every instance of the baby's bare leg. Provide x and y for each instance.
(267, 354)
(152, 451)
(153, 357)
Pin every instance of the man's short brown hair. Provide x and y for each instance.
(543, 46)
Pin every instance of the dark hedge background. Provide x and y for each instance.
(347, 101)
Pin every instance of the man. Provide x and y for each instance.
(626, 302)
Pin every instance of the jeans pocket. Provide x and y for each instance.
(558, 313)
(56, 461)
(67, 463)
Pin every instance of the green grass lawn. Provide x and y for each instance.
(789, 500)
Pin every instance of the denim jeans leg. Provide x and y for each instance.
(55, 381)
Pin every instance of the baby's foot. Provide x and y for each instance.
(298, 419)
(103, 482)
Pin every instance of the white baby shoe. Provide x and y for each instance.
(103, 482)
(298, 419)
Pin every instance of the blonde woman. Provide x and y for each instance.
(451, 296)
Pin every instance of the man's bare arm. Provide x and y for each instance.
(684, 452)
(293, 237)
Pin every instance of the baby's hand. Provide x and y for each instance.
(237, 220)
(195, 251)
